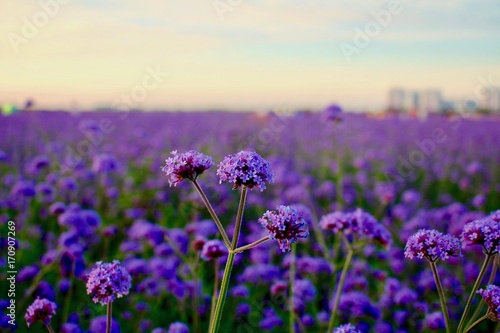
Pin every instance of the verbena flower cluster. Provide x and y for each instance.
(347, 328)
(108, 281)
(245, 168)
(40, 310)
(213, 249)
(358, 223)
(285, 225)
(491, 296)
(432, 245)
(484, 232)
(188, 165)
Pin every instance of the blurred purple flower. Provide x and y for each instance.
(98, 325)
(270, 320)
(178, 327)
(347, 328)
(40, 310)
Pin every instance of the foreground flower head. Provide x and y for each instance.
(347, 328)
(491, 296)
(285, 225)
(245, 168)
(432, 245)
(40, 310)
(108, 281)
(213, 249)
(484, 232)
(188, 165)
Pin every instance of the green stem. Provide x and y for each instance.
(340, 286)
(239, 217)
(477, 322)
(109, 318)
(216, 287)
(196, 314)
(176, 249)
(213, 214)
(291, 318)
(251, 245)
(490, 281)
(214, 327)
(442, 298)
(473, 292)
(49, 328)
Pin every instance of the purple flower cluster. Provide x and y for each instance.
(178, 327)
(491, 296)
(358, 223)
(40, 310)
(188, 165)
(285, 225)
(245, 168)
(432, 245)
(213, 249)
(108, 281)
(484, 232)
(347, 328)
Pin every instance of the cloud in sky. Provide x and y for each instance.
(263, 54)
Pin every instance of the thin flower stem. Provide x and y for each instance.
(481, 304)
(477, 322)
(473, 292)
(251, 245)
(196, 303)
(239, 217)
(109, 317)
(442, 298)
(176, 249)
(49, 328)
(340, 287)
(291, 317)
(216, 288)
(222, 231)
(214, 327)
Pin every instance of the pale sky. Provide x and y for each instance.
(242, 54)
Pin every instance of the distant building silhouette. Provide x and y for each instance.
(415, 103)
(490, 100)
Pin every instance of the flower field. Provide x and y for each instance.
(284, 222)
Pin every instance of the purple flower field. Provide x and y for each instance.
(158, 222)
